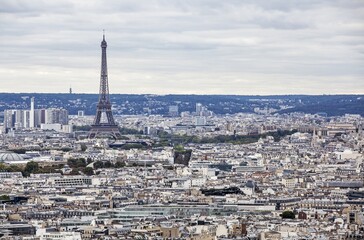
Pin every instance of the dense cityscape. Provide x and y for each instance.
(189, 175)
(182, 155)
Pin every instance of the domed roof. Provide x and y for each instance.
(10, 157)
(250, 184)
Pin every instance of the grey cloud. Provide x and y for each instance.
(31, 7)
(195, 46)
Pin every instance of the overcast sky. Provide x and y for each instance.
(183, 46)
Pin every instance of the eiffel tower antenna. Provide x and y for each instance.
(108, 128)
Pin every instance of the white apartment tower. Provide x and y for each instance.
(31, 114)
(199, 109)
(56, 115)
(33, 118)
(26, 118)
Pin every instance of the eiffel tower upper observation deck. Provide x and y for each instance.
(104, 123)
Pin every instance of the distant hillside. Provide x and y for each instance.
(333, 105)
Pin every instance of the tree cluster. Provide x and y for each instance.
(288, 215)
(108, 164)
(4, 198)
(166, 138)
(76, 162)
(79, 165)
(29, 168)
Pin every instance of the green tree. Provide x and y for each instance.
(3, 167)
(178, 148)
(129, 146)
(76, 163)
(14, 168)
(127, 131)
(288, 215)
(83, 147)
(108, 164)
(74, 171)
(119, 164)
(98, 164)
(49, 169)
(4, 197)
(31, 167)
(88, 171)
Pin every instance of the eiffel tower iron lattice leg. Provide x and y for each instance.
(108, 128)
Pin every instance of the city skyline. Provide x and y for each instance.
(157, 47)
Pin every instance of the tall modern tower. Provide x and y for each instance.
(104, 124)
(31, 118)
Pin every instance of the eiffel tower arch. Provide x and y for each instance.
(101, 128)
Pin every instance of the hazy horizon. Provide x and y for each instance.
(192, 94)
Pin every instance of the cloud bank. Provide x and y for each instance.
(184, 46)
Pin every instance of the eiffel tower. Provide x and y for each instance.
(108, 128)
